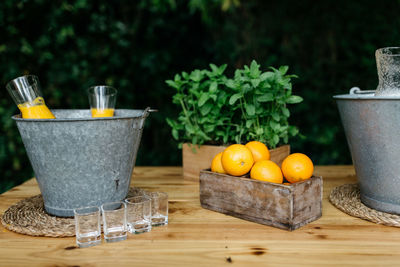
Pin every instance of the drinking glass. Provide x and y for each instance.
(87, 226)
(27, 95)
(114, 221)
(159, 208)
(388, 65)
(138, 214)
(102, 100)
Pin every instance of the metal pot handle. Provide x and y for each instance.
(358, 91)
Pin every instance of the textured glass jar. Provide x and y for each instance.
(388, 65)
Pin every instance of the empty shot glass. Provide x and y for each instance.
(114, 221)
(159, 208)
(87, 226)
(138, 214)
(27, 95)
(102, 100)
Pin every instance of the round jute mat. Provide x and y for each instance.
(29, 217)
(347, 199)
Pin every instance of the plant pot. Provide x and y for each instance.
(200, 159)
(283, 206)
(82, 161)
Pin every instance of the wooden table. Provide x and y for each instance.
(196, 236)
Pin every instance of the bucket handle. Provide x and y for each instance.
(358, 91)
(146, 113)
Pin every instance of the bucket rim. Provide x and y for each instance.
(17, 117)
(365, 97)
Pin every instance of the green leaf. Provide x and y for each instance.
(203, 99)
(205, 109)
(276, 116)
(196, 75)
(266, 75)
(274, 125)
(254, 69)
(265, 98)
(293, 131)
(209, 128)
(275, 139)
(222, 97)
(185, 75)
(214, 68)
(238, 74)
(234, 98)
(222, 68)
(189, 128)
(213, 87)
(250, 109)
(283, 69)
(230, 84)
(246, 88)
(285, 111)
(249, 123)
(172, 84)
(294, 99)
(203, 135)
(170, 122)
(255, 82)
(175, 134)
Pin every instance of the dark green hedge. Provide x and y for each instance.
(137, 45)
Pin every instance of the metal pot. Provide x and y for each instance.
(372, 128)
(82, 161)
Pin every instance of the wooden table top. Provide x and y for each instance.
(199, 237)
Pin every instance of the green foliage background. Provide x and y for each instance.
(137, 45)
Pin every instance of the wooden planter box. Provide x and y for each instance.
(194, 162)
(283, 206)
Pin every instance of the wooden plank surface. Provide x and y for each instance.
(199, 237)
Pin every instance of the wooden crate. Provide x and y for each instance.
(194, 162)
(284, 206)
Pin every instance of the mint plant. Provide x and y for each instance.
(219, 110)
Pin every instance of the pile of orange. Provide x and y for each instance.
(254, 157)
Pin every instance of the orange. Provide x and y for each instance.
(237, 160)
(259, 150)
(297, 167)
(267, 171)
(216, 164)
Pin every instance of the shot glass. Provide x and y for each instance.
(114, 221)
(87, 226)
(27, 95)
(159, 208)
(102, 100)
(138, 214)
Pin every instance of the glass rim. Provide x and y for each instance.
(144, 197)
(116, 209)
(113, 92)
(384, 51)
(96, 209)
(22, 77)
(158, 194)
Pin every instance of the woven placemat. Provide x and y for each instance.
(347, 199)
(29, 217)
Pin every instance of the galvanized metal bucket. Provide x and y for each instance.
(82, 161)
(372, 127)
